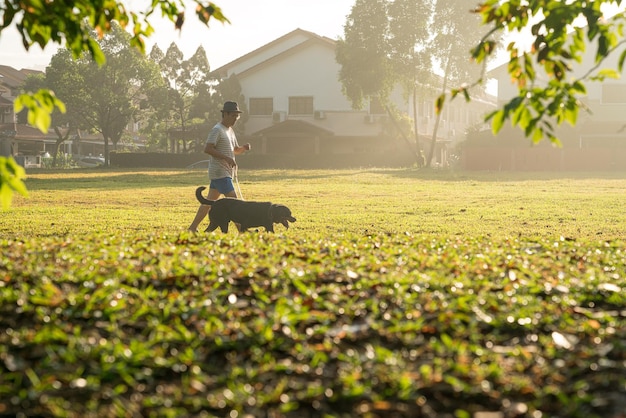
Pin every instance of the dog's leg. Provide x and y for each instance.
(212, 227)
(224, 227)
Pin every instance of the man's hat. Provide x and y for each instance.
(231, 107)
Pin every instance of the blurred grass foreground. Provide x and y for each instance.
(395, 294)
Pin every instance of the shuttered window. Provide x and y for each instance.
(301, 105)
(261, 106)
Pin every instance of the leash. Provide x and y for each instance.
(236, 177)
(233, 172)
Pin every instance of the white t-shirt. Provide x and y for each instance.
(225, 142)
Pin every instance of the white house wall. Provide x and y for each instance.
(312, 71)
(306, 73)
(266, 52)
(600, 110)
(302, 63)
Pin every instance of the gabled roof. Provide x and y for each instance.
(24, 131)
(279, 57)
(294, 128)
(12, 77)
(312, 37)
(28, 71)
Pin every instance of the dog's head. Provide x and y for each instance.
(282, 215)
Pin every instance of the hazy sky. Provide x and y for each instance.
(254, 23)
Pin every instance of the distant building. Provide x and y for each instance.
(296, 106)
(597, 142)
(28, 144)
(16, 137)
(295, 112)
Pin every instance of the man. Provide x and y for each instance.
(222, 147)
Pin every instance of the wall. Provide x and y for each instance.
(399, 157)
(543, 159)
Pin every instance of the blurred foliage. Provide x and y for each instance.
(57, 22)
(71, 23)
(271, 325)
(561, 34)
(12, 177)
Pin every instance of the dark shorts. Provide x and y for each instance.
(223, 185)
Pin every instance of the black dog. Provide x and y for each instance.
(246, 214)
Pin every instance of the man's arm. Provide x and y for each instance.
(213, 152)
(242, 149)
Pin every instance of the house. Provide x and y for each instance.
(297, 115)
(27, 143)
(295, 107)
(596, 142)
(17, 139)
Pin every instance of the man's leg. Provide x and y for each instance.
(203, 210)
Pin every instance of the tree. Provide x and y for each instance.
(207, 105)
(406, 43)
(36, 82)
(185, 80)
(560, 33)
(104, 98)
(455, 31)
(229, 89)
(365, 67)
(157, 106)
(112, 93)
(366, 54)
(61, 78)
(58, 22)
(409, 31)
(71, 23)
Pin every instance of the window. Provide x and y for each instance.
(376, 107)
(302, 105)
(614, 93)
(261, 106)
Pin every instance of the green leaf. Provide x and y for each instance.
(40, 106)
(521, 116)
(608, 73)
(439, 103)
(497, 121)
(579, 88)
(467, 95)
(460, 413)
(570, 113)
(620, 62)
(537, 135)
(41, 118)
(6, 195)
(11, 176)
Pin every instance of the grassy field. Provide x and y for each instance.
(333, 202)
(397, 293)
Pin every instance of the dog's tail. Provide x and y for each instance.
(201, 198)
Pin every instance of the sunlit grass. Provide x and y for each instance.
(352, 201)
(397, 293)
